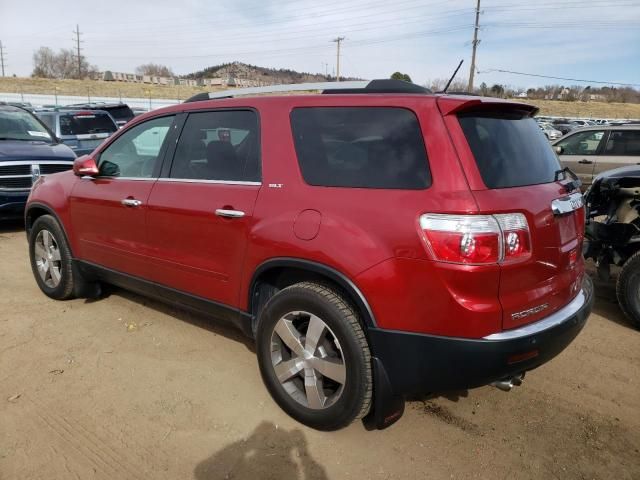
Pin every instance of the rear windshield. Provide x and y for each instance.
(86, 124)
(510, 149)
(121, 112)
(366, 147)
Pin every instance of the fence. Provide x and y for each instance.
(37, 99)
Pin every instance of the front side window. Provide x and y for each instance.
(219, 145)
(361, 147)
(49, 121)
(136, 153)
(623, 142)
(582, 143)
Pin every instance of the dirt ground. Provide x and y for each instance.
(127, 388)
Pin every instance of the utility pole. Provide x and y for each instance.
(2, 57)
(77, 33)
(338, 40)
(475, 43)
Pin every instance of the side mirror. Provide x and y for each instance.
(559, 150)
(85, 166)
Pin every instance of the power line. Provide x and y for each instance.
(475, 47)
(582, 80)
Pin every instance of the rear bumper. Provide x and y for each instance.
(418, 363)
(12, 203)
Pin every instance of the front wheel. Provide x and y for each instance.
(314, 357)
(51, 258)
(628, 289)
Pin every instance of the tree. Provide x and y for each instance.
(401, 76)
(155, 70)
(64, 64)
(484, 90)
(497, 90)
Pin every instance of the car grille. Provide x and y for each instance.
(6, 170)
(18, 175)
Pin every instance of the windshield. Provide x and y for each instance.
(510, 149)
(83, 124)
(21, 125)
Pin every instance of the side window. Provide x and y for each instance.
(623, 142)
(582, 143)
(49, 121)
(219, 145)
(136, 152)
(365, 147)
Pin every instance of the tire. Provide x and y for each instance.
(52, 268)
(324, 330)
(628, 289)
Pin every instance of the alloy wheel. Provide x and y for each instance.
(47, 258)
(308, 360)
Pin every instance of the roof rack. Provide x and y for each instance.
(351, 87)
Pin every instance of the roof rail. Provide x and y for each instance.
(351, 87)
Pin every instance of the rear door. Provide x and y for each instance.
(621, 149)
(511, 168)
(580, 152)
(201, 211)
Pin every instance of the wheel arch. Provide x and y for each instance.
(36, 210)
(274, 274)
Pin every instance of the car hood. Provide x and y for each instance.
(16, 150)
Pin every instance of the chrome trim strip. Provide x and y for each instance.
(221, 182)
(15, 176)
(552, 320)
(568, 204)
(36, 162)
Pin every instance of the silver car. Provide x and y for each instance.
(591, 150)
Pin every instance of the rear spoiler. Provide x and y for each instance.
(453, 105)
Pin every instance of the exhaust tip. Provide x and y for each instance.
(508, 383)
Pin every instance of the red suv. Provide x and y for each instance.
(378, 242)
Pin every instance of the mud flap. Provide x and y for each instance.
(387, 408)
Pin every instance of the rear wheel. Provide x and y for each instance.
(51, 259)
(628, 289)
(314, 357)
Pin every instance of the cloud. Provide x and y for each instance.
(425, 38)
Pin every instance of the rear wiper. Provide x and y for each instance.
(573, 182)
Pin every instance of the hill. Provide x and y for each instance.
(259, 74)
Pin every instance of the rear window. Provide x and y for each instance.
(510, 149)
(121, 112)
(86, 124)
(362, 147)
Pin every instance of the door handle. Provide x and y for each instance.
(584, 161)
(222, 212)
(131, 202)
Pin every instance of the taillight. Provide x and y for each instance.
(477, 239)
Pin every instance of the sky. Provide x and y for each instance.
(582, 39)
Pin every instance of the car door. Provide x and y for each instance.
(109, 211)
(622, 148)
(579, 152)
(200, 211)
